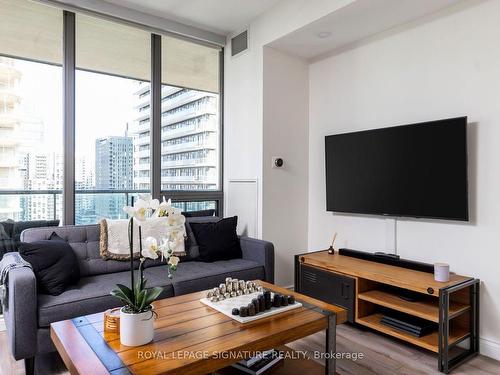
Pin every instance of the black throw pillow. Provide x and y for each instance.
(54, 263)
(218, 240)
(210, 212)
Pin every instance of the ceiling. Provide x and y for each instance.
(219, 16)
(355, 22)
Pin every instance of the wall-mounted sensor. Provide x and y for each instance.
(277, 162)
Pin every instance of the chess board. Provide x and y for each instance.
(226, 306)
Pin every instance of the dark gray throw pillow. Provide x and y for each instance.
(54, 263)
(217, 240)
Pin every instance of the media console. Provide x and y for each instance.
(370, 290)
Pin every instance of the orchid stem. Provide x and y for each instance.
(131, 246)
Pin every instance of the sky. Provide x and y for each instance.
(104, 105)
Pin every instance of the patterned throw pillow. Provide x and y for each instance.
(114, 242)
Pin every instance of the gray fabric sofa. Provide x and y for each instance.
(29, 314)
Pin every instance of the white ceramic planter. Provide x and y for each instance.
(136, 329)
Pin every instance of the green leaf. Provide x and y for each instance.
(141, 302)
(152, 294)
(122, 297)
(125, 290)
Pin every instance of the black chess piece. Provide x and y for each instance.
(235, 311)
(267, 299)
(291, 300)
(262, 305)
(284, 301)
(277, 300)
(243, 311)
(255, 303)
(251, 309)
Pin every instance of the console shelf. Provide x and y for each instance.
(369, 290)
(426, 309)
(429, 342)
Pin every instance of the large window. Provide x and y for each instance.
(190, 121)
(113, 96)
(113, 62)
(30, 111)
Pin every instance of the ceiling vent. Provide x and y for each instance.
(239, 43)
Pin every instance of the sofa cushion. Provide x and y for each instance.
(84, 239)
(192, 248)
(91, 295)
(54, 263)
(13, 231)
(210, 212)
(195, 276)
(217, 241)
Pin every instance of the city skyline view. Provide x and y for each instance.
(108, 108)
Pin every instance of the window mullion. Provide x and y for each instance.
(155, 133)
(69, 117)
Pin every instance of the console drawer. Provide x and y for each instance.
(329, 287)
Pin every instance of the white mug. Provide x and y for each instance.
(441, 272)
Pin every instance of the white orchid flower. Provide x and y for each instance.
(173, 261)
(138, 211)
(165, 208)
(176, 219)
(151, 249)
(151, 203)
(165, 249)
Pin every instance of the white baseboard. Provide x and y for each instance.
(489, 348)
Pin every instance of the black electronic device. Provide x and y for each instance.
(417, 170)
(390, 260)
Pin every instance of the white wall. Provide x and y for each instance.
(285, 135)
(448, 66)
(243, 92)
(252, 133)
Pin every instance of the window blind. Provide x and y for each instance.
(31, 31)
(189, 65)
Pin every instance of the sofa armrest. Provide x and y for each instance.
(259, 251)
(21, 314)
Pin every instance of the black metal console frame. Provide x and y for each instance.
(445, 363)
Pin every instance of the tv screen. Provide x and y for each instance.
(417, 170)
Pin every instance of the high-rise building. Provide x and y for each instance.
(189, 137)
(41, 171)
(113, 163)
(113, 171)
(10, 100)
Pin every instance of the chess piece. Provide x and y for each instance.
(291, 300)
(277, 300)
(243, 311)
(284, 301)
(262, 306)
(251, 309)
(235, 311)
(267, 299)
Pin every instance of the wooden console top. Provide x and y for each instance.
(397, 276)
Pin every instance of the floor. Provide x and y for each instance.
(381, 356)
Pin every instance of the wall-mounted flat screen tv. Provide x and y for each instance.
(417, 170)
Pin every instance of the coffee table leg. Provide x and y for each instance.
(331, 345)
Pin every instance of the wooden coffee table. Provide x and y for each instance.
(191, 338)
